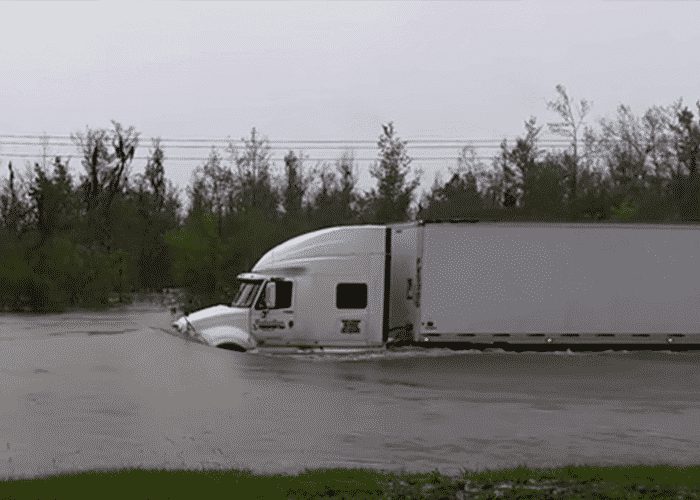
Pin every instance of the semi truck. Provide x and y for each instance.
(467, 284)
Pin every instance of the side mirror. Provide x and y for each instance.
(270, 295)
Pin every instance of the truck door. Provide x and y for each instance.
(272, 318)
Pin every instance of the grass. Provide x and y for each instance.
(567, 482)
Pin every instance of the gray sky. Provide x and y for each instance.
(335, 70)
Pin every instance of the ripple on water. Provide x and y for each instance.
(398, 353)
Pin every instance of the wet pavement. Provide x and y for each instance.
(113, 389)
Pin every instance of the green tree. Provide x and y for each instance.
(461, 196)
(14, 204)
(196, 250)
(348, 202)
(53, 199)
(253, 176)
(335, 200)
(391, 199)
(543, 193)
(213, 190)
(295, 185)
(106, 157)
(686, 177)
(626, 149)
(518, 162)
(157, 206)
(572, 126)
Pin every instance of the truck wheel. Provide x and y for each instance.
(231, 347)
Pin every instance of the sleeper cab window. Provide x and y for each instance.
(284, 295)
(351, 296)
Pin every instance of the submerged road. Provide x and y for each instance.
(104, 390)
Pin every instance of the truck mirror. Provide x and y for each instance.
(270, 295)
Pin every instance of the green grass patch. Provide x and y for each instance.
(567, 482)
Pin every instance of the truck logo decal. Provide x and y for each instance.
(268, 324)
(350, 326)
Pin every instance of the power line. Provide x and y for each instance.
(282, 148)
(203, 158)
(415, 158)
(47, 142)
(416, 140)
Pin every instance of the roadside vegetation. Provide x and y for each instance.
(93, 234)
(568, 482)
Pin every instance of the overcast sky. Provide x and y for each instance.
(313, 70)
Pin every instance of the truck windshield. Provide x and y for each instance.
(247, 291)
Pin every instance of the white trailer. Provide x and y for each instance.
(512, 285)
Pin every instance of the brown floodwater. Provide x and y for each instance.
(95, 390)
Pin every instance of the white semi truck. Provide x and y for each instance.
(510, 285)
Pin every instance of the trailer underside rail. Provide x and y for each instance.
(550, 341)
(561, 347)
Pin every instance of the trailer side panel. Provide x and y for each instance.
(511, 282)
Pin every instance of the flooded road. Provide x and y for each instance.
(113, 389)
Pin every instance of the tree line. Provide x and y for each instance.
(95, 237)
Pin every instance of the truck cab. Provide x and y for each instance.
(320, 289)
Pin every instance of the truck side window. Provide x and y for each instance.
(283, 298)
(351, 295)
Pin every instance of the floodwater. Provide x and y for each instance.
(115, 389)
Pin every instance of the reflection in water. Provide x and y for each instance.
(95, 390)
